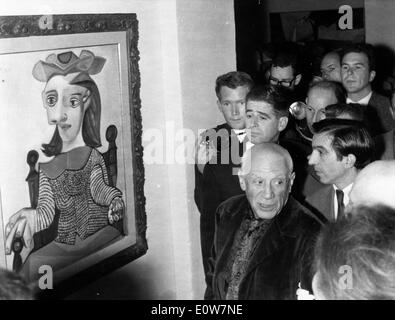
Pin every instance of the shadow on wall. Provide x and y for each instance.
(119, 285)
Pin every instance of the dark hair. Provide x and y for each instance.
(233, 80)
(276, 96)
(354, 110)
(348, 137)
(90, 124)
(365, 242)
(364, 48)
(336, 87)
(284, 59)
(14, 287)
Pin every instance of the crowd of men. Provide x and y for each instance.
(299, 184)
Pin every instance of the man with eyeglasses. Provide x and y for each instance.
(285, 71)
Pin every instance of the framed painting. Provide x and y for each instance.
(72, 202)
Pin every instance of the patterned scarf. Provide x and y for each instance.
(244, 245)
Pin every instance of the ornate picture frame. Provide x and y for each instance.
(98, 47)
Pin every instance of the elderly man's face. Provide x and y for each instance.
(267, 185)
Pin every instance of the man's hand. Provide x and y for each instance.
(21, 225)
(115, 210)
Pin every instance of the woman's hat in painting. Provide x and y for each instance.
(67, 62)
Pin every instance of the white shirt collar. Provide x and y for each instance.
(364, 101)
(346, 198)
(240, 134)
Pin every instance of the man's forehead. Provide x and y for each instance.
(323, 94)
(268, 173)
(355, 57)
(240, 90)
(262, 106)
(284, 72)
(235, 89)
(322, 140)
(268, 162)
(329, 59)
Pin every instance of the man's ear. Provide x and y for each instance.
(242, 181)
(267, 74)
(87, 99)
(350, 160)
(291, 180)
(297, 79)
(282, 123)
(372, 75)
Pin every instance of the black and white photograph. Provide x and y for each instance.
(196, 151)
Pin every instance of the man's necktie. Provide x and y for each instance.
(340, 203)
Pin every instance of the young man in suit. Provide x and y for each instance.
(341, 148)
(358, 71)
(222, 144)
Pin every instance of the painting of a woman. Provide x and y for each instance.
(73, 186)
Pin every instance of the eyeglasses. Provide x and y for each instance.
(284, 83)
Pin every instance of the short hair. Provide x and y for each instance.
(285, 59)
(348, 137)
(354, 110)
(276, 96)
(364, 48)
(233, 80)
(14, 287)
(336, 87)
(364, 241)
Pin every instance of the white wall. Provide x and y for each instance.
(380, 23)
(183, 46)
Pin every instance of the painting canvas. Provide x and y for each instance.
(71, 179)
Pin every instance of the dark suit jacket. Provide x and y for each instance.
(317, 197)
(322, 201)
(378, 114)
(218, 183)
(223, 147)
(281, 260)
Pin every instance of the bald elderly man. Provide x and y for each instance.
(375, 184)
(264, 238)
